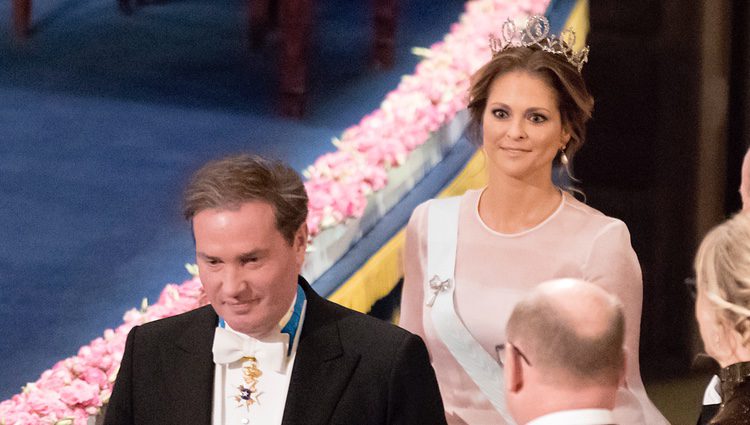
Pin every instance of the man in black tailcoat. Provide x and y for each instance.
(267, 349)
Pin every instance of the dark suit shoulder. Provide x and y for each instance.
(361, 327)
(358, 326)
(166, 373)
(192, 330)
(376, 340)
(202, 315)
(393, 375)
(364, 371)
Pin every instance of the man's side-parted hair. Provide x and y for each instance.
(229, 182)
(552, 342)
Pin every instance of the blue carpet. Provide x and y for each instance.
(104, 116)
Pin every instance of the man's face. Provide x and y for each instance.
(247, 268)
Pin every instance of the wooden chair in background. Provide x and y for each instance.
(21, 18)
(294, 19)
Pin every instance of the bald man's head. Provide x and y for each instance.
(573, 330)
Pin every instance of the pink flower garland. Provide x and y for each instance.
(77, 387)
(338, 185)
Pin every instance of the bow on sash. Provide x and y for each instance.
(229, 347)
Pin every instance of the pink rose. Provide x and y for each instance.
(133, 316)
(44, 402)
(20, 418)
(95, 376)
(80, 392)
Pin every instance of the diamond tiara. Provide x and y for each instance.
(536, 33)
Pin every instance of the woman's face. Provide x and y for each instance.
(522, 127)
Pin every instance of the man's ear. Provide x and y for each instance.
(300, 243)
(513, 371)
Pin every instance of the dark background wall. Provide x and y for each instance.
(659, 154)
(739, 99)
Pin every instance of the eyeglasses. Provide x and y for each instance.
(500, 351)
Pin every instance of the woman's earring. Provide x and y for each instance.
(563, 157)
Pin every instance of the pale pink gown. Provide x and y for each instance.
(495, 270)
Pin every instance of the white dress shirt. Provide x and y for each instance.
(712, 395)
(576, 417)
(272, 387)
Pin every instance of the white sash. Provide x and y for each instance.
(442, 238)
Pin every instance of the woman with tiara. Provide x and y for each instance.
(469, 259)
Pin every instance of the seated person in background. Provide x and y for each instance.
(722, 308)
(268, 349)
(564, 360)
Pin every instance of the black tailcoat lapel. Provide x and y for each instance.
(189, 369)
(322, 369)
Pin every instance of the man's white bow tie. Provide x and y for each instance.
(230, 347)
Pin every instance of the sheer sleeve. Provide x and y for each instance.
(415, 262)
(613, 264)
